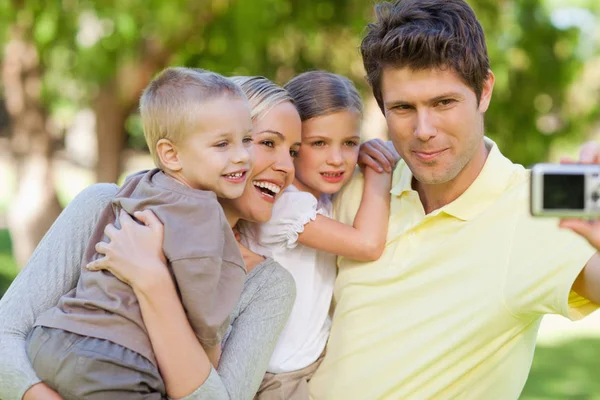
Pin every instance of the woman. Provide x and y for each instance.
(265, 303)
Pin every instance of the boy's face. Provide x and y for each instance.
(218, 155)
(435, 123)
(329, 152)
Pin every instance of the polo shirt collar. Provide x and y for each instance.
(487, 187)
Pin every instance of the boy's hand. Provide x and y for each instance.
(379, 155)
(589, 153)
(41, 391)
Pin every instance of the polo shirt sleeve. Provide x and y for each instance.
(543, 263)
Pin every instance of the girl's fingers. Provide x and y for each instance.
(368, 161)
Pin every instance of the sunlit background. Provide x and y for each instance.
(72, 72)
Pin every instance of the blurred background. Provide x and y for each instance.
(72, 72)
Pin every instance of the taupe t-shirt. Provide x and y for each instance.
(202, 252)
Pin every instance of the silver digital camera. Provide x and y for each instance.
(565, 190)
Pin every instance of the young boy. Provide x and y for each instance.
(198, 129)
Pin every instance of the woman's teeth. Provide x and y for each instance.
(270, 189)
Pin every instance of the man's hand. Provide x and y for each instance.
(590, 230)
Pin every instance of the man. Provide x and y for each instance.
(452, 308)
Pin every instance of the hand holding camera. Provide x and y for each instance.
(571, 191)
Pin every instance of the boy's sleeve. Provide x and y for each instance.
(206, 265)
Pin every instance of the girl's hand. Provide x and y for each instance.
(378, 155)
(134, 254)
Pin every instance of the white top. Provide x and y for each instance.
(304, 337)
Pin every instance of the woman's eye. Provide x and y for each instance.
(268, 143)
(318, 143)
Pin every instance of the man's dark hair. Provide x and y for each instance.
(424, 34)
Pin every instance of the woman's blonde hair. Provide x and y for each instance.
(262, 93)
(170, 104)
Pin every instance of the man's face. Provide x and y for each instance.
(434, 121)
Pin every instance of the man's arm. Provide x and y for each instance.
(587, 283)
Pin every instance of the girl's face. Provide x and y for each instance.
(276, 138)
(329, 152)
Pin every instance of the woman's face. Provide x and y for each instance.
(276, 137)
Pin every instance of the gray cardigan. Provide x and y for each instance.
(54, 268)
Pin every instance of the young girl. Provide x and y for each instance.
(302, 235)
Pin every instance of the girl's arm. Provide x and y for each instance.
(52, 271)
(132, 256)
(365, 240)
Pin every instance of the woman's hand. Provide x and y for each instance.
(41, 391)
(379, 155)
(134, 254)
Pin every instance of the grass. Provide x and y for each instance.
(568, 370)
(8, 268)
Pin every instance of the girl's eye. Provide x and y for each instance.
(247, 140)
(318, 143)
(268, 143)
(351, 143)
(221, 144)
(294, 153)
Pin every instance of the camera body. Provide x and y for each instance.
(565, 190)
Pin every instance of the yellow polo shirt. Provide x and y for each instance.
(452, 308)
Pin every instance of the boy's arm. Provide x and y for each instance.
(365, 239)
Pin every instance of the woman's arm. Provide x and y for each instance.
(265, 304)
(52, 271)
(365, 240)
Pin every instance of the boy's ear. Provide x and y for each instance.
(168, 155)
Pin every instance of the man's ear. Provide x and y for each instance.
(168, 155)
(486, 92)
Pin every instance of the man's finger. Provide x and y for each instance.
(590, 153)
(579, 226)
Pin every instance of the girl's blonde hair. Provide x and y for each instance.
(262, 93)
(170, 104)
(319, 93)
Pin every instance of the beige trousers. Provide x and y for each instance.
(289, 385)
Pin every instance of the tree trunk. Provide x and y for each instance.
(36, 205)
(110, 131)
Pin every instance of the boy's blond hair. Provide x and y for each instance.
(170, 104)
